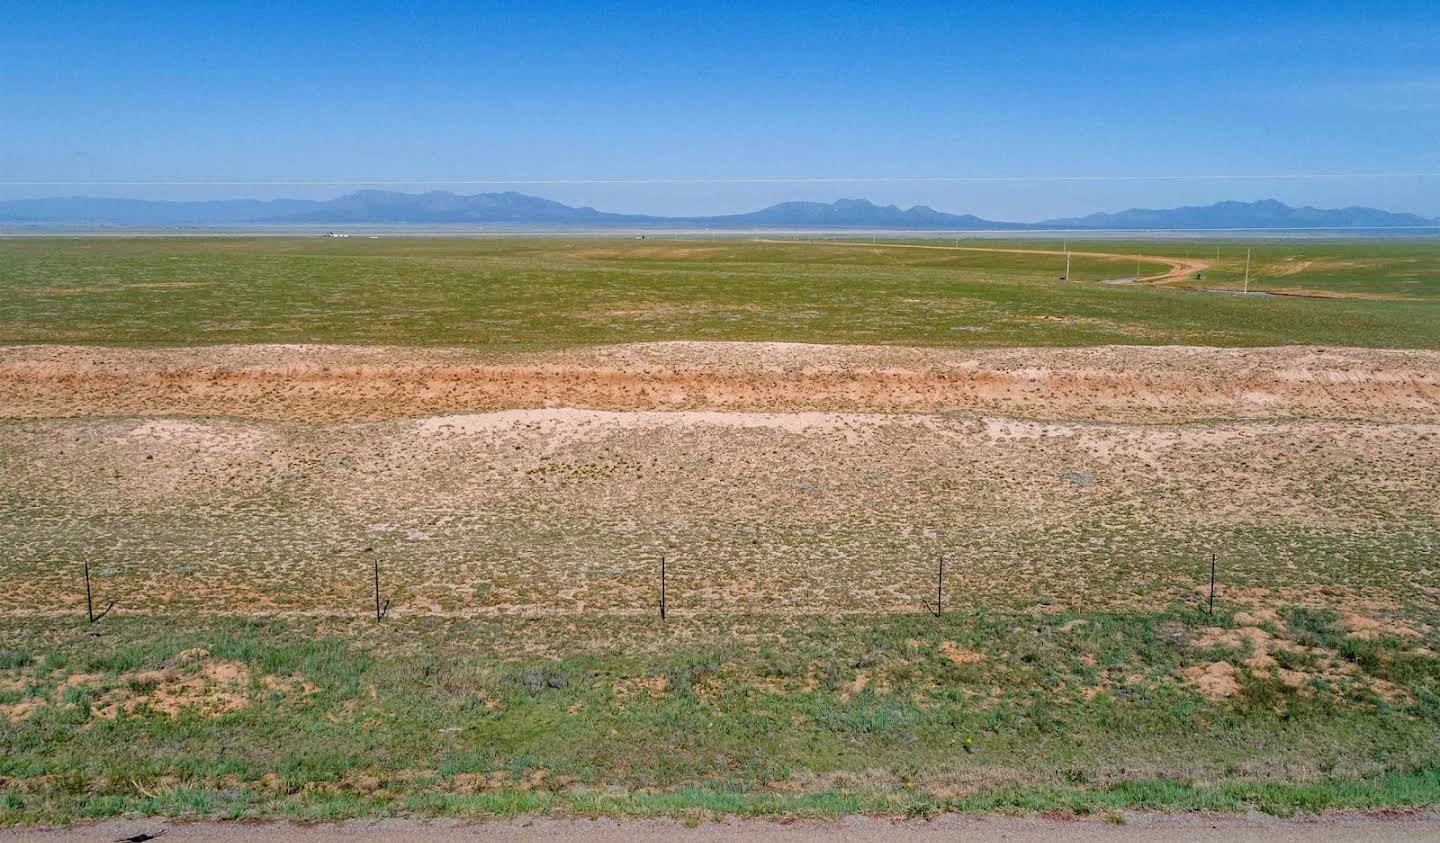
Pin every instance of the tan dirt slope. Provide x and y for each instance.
(1129, 384)
(562, 513)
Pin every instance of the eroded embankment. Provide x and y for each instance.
(565, 511)
(344, 383)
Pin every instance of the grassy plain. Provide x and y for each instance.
(550, 292)
(233, 502)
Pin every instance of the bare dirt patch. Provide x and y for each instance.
(21, 710)
(193, 682)
(1296, 266)
(211, 689)
(958, 656)
(1216, 680)
(1360, 626)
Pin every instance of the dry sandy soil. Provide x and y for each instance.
(777, 478)
(334, 383)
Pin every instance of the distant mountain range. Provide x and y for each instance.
(851, 213)
(1267, 213)
(510, 208)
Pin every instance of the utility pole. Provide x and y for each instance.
(1247, 272)
(1067, 260)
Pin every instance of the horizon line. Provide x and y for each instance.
(744, 180)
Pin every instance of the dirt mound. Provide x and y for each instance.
(336, 383)
(1216, 680)
(1360, 626)
(959, 656)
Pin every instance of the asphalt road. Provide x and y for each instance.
(1138, 828)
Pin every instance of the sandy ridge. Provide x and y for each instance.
(338, 383)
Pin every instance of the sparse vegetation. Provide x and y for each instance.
(253, 523)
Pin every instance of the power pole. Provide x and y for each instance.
(1067, 260)
(1247, 272)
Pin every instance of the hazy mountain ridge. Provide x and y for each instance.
(85, 209)
(1266, 213)
(381, 206)
(853, 213)
(512, 208)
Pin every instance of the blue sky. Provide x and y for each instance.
(1171, 103)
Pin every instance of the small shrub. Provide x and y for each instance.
(1314, 627)
(13, 659)
(142, 686)
(1368, 654)
(537, 679)
(867, 715)
(1266, 692)
(681, 678)
(1387, 658)
(1292, 659)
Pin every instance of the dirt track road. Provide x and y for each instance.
(1180, 268)
(952, 828)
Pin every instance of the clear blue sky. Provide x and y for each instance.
(350, 92)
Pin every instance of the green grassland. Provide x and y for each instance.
(555, 291)
(808, 715)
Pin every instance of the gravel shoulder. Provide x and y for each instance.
(953, 828)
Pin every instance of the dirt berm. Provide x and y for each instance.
(1127, 384)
